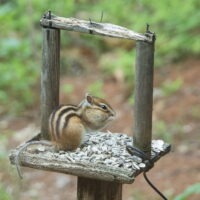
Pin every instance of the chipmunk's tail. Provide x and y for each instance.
(22, 148)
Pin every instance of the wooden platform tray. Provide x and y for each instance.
(103, 156)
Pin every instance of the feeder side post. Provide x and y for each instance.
(91, 189)
(50, 76)
(144, 70)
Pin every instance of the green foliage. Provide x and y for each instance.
(165, 131)
(193, 189)
(170, 87)
(18, 74)
(137, 195)
(68, 89)
(3, 150)
(119, 63)
(20, 55)
(131, 100)
(10, 184)
(15, 85)
(160, 130)
(96, 89)
(195, 112)
(4, 195)
(177, 29)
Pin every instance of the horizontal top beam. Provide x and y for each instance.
(90, 27)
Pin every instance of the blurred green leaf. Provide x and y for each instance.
(68, 88)
(170, 87)
(20, 56)
(161, 131)
(193, 189)
(96, 89)
(4, 195)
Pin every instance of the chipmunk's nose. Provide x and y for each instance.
(113, 114)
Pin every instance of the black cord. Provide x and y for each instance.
(153, 186)
(149, 163)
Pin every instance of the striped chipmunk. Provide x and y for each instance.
(69, 123)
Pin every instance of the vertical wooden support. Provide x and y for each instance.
(49, 76)
(143, 96)
(89, 189)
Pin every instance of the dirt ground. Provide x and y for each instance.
(172, 174)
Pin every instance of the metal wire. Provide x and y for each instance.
(138, 152)
(153, 186)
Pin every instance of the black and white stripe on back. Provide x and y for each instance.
(58, 118)
(51, 118)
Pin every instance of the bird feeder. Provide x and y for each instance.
(103, 164)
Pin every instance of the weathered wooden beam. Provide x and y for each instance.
(98, 190)
(91, 161)
(50, 75)
(91, 27)
(144, 70)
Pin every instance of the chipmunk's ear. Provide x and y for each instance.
(89, 98)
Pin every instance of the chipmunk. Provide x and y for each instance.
(69, 123)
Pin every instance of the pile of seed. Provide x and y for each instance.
(109, 149)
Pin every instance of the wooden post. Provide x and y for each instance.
(143, 95)
(49, 76)
(89, 189)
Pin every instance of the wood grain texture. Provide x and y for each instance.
(55, 162)
(91, 27)
(49, 76)
(88, 189)
(144, 70)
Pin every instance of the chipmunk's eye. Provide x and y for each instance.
(103, 106)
